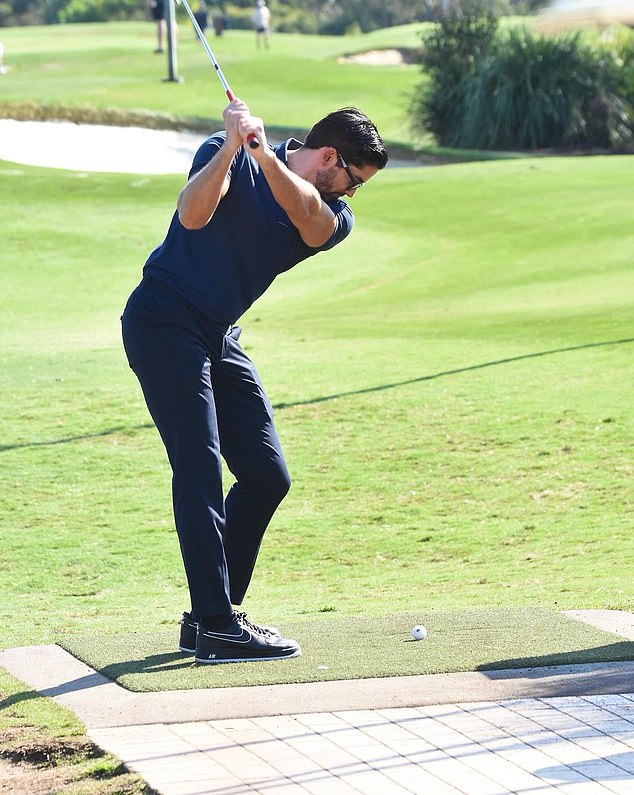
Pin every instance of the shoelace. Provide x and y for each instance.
(241, 618)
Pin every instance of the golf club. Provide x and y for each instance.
(251, 139)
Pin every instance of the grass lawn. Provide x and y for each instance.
(451, 388)
(291, 85)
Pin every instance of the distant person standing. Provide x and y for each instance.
(201, 16)
(216, 14)
(261, 19)
(157, 10)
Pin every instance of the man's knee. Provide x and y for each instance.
(266, 484)
(276, 480)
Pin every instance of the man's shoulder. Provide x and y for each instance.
(344, 222)
(341, 207)
(206, 151)
(210, 146)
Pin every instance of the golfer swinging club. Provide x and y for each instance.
(244, 216)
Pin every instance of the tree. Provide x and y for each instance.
(450, 55)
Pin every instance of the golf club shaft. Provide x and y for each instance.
(252, 140)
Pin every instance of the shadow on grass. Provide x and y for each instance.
(170, 661)
(456, 371)
(325, 398)
(622, 651)
(17, 698)
(153, 663)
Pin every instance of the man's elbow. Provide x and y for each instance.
(187, 218)
(317, 226)
(316, 232)
(189, 223)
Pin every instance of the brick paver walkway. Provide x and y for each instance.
(575, 745)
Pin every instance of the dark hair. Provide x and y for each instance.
(352, 134)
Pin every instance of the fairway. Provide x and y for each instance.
(452, 391)
(99, 67)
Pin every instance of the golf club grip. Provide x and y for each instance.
(251, 139)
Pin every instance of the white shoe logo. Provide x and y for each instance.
(244, 637)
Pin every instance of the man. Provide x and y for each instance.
(201, 16)
(244, 216)
(157, 10)
(261, 18)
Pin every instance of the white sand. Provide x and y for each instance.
(95, 147)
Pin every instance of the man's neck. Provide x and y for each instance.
(301, 160)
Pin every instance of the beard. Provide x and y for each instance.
(323, 182)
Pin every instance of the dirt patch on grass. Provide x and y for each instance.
(22, 745)
(22, 777)
(50, 766)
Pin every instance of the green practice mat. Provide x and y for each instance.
(359, 647)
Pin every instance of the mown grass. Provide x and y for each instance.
(291, 85)
(451, 387)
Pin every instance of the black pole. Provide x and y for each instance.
(172, 58)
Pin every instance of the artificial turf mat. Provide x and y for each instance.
(359, 647)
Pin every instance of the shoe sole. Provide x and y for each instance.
(186, 651)
(219, 660)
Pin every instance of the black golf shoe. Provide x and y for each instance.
(187, 642)
(189, 627)
(241, 641)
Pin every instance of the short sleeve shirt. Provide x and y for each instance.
(224, 267)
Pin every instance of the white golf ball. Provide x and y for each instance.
(419, 632)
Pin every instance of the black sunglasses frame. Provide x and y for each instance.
(355, 182)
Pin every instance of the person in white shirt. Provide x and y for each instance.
(261, 19)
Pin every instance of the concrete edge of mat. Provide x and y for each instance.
(100, 702)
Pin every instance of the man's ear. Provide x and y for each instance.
(329, 156)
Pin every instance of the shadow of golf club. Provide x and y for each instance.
(335, 396)
(444, 373)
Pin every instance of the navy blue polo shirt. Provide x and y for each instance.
(224, 267)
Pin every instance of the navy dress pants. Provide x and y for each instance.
(208, 402)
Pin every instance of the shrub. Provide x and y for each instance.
(535, 92)
(523, 91)
(98, 10)
(450, 54)
(624, 53)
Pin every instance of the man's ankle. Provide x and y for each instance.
(216, 622)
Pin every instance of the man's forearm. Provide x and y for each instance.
(198, 200)
(301, 201)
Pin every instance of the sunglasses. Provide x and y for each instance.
(355, 182)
